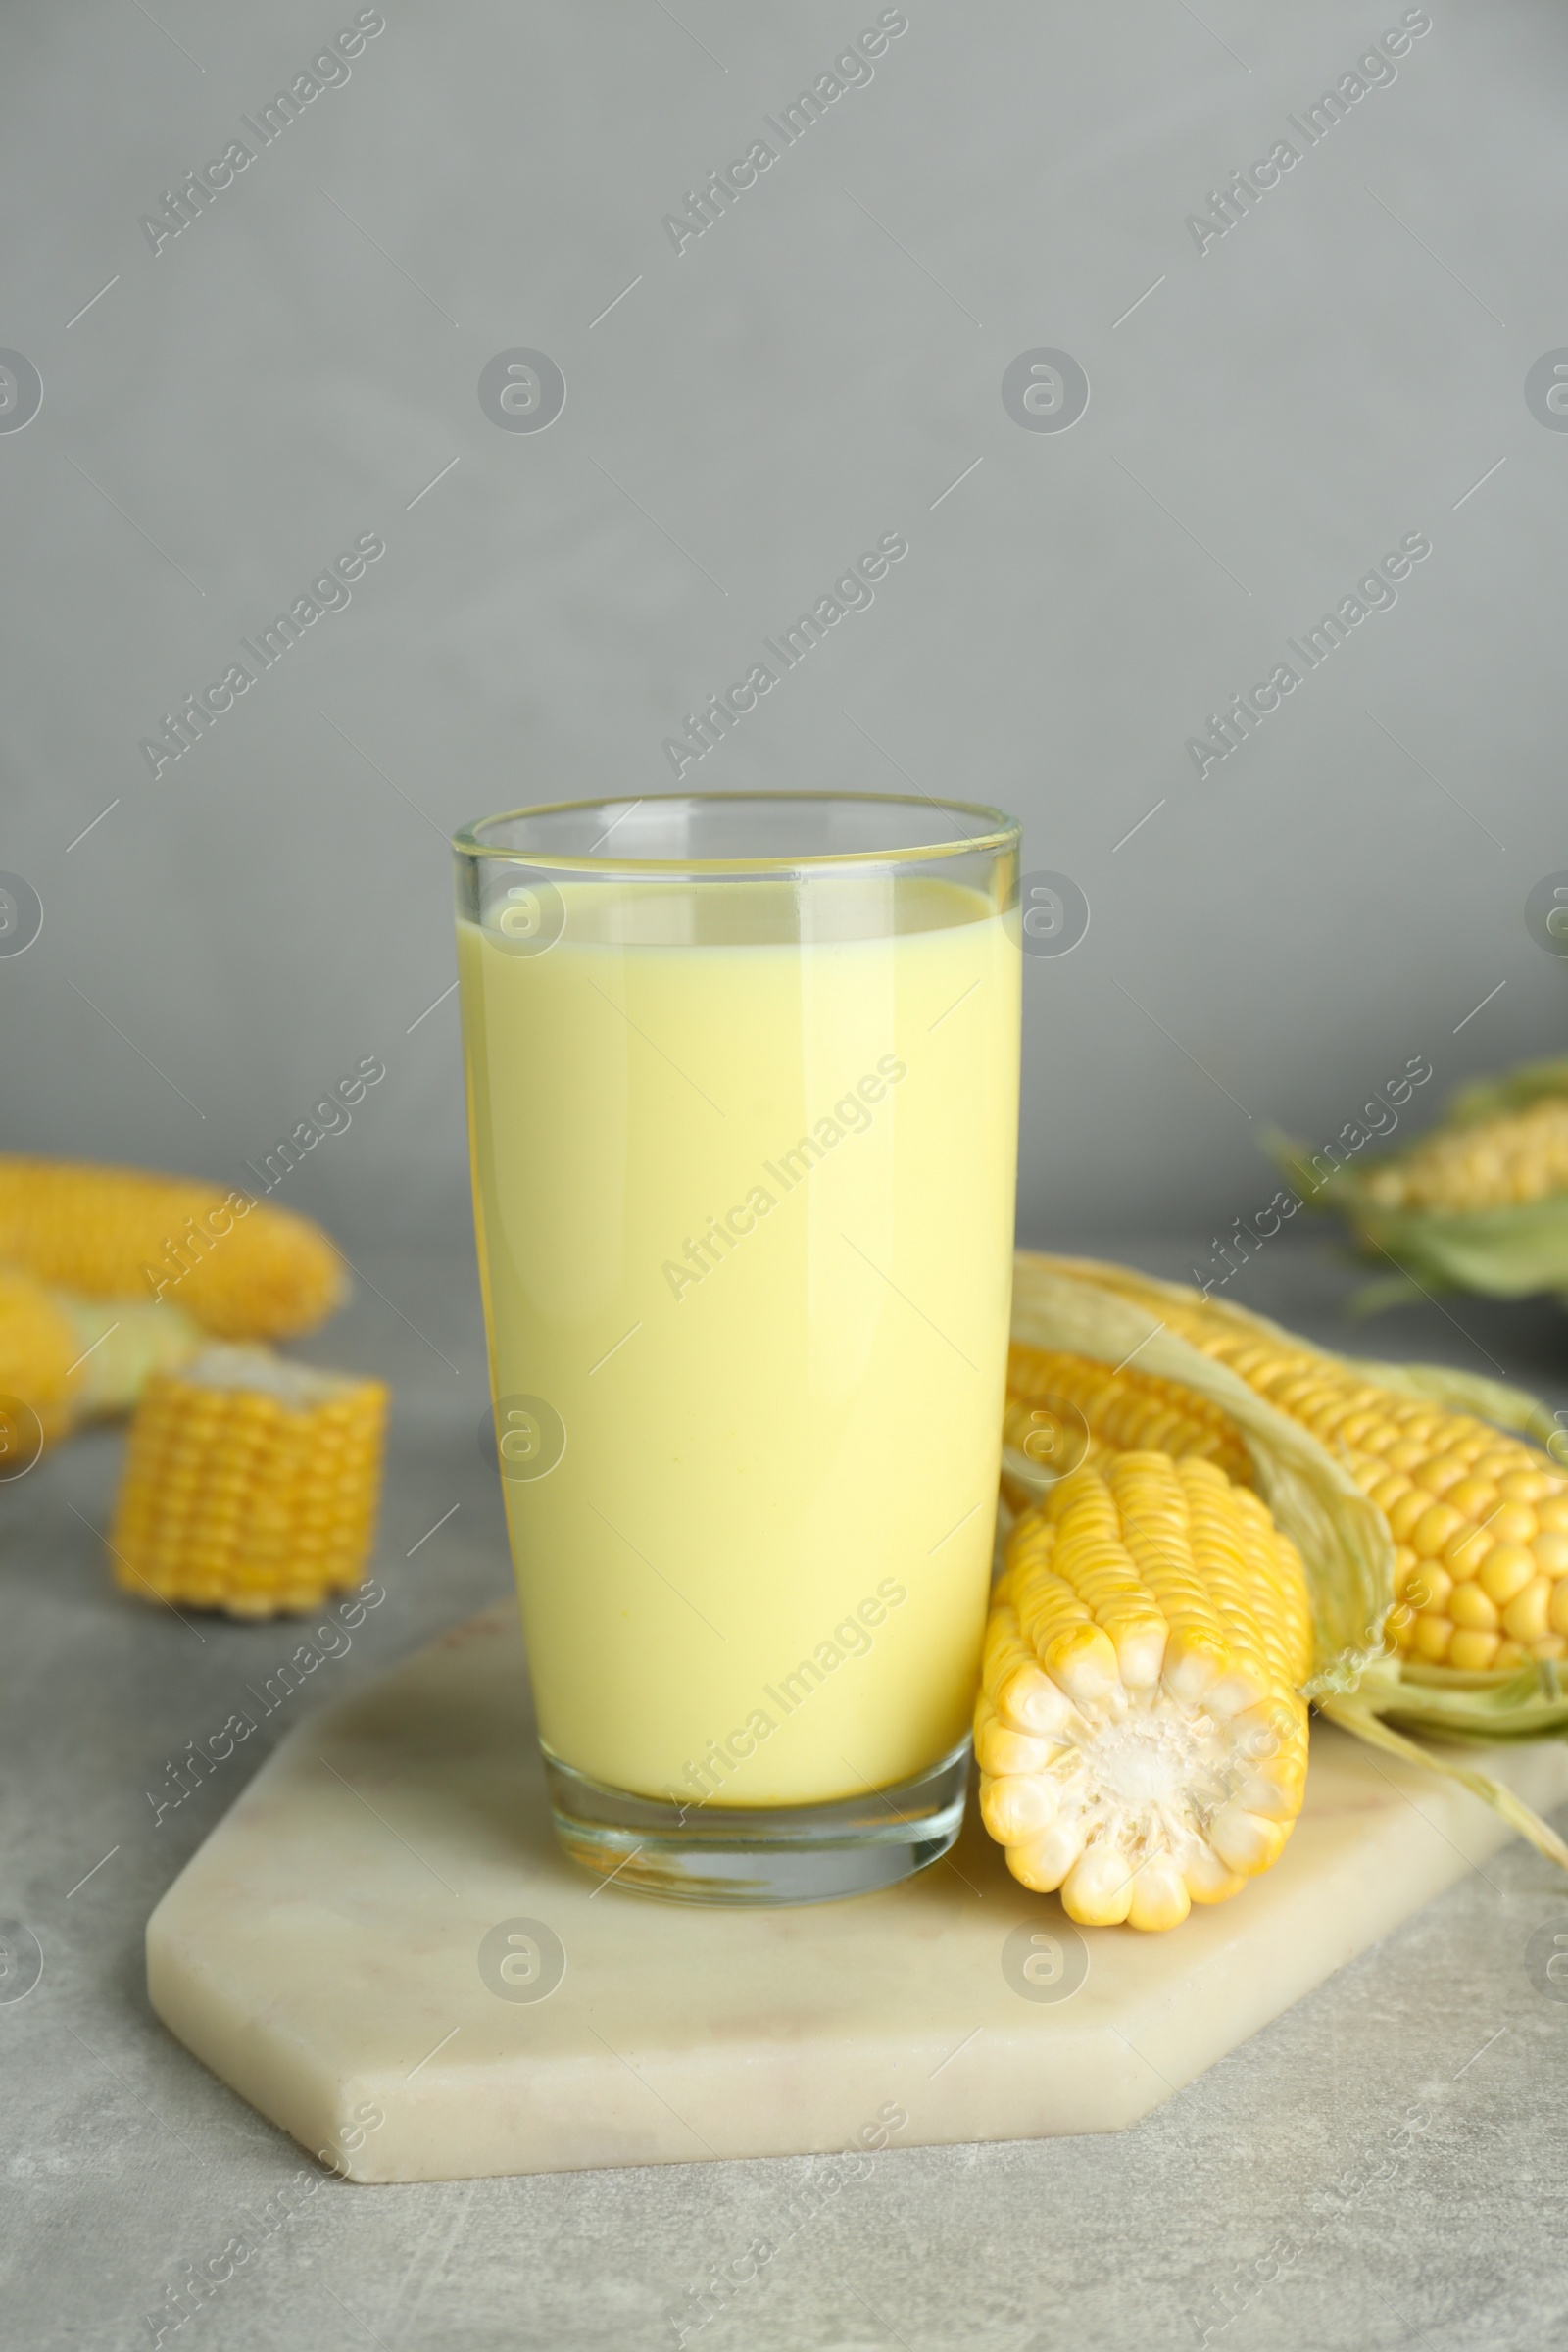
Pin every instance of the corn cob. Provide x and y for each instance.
(37, 1345)
(64, 1360)
(1140, 1742)
(250, 1484)
(1480, 1520)
(240, 1268)
(1450, 1614)
(1063, 1409)
(1479, 1203)
(1493, 1164)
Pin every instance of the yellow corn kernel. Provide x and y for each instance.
(1141, 1739)
(1433, 1635)
(1525, 1618)
(238, 1491)
(1472, 1608)
(240, 1268)
(1506, 1570)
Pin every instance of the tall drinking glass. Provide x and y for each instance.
(743, 1094)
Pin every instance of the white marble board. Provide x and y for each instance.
(325, 1953)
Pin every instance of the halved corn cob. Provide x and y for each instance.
(1440, 1614)
(1478, 1518)
(64, 1360)
(250, 1484)
(1141, 1745)
(239, 1267)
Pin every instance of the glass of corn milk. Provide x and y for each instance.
(743, 1098)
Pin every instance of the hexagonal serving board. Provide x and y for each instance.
(382, 1949)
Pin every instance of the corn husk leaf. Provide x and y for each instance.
(1496, 1098)
(1114, 1314)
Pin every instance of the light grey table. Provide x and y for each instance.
(1268, 2204)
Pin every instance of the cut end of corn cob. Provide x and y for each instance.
(239, 1267)
(250, 1485)
(1141, 1741)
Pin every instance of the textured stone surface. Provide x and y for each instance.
(125, 2159)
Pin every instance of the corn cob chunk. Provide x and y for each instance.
(1478, 1518)
(1495, 1164)
(240, 1268)
(250, 1484)
(1142, 1746)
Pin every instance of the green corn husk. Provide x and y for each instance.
(1113, 1315)
(1513, 1252)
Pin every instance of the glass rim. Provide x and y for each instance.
(997, 831)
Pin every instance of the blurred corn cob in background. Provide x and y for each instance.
(1433, 1540)
(1478, 1204)
(240, 1268)
(250, 1484)
(64, 1360)
(1141, 1741)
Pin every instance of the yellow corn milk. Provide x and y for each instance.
(744, 1164)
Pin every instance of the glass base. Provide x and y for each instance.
(752, 1855)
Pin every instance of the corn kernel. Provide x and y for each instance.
(1506, 1570)
(1473, 1609)
(1407, 1512)
(1550, 1548)
(1525, 1617)
(1475, 1498)
(1527, 1485)
(1433, 1635)
(1433, 1528)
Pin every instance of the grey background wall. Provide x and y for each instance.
(824, 365)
